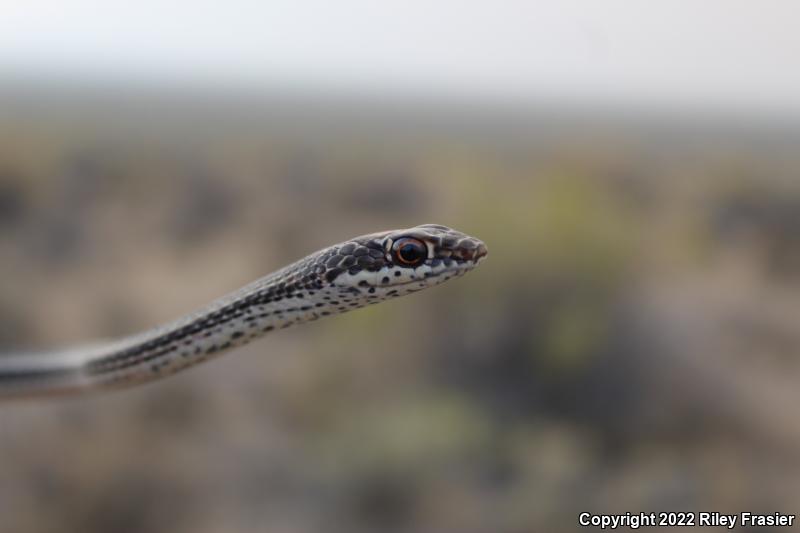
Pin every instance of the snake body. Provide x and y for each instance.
(349, 275)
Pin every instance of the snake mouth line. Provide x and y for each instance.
(448, 273)
(451, 272)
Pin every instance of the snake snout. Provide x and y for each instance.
(471, 250)
(481, 252)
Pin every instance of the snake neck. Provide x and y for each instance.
(233, 320)
(227, 323)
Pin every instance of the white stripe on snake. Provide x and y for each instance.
(355, 273)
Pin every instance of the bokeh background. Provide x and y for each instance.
(630, 344)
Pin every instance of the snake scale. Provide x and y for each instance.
(358, 272)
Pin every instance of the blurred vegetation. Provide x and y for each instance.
(630, 344)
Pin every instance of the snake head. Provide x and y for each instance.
(397, 262)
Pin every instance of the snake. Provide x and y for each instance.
(358, 272)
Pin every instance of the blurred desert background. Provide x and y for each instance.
(632, 342)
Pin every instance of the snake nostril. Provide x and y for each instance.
(472, 254)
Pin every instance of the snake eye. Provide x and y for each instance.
(409, 252)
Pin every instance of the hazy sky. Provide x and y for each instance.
(724, 54)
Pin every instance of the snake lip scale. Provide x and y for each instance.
(361, 271)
